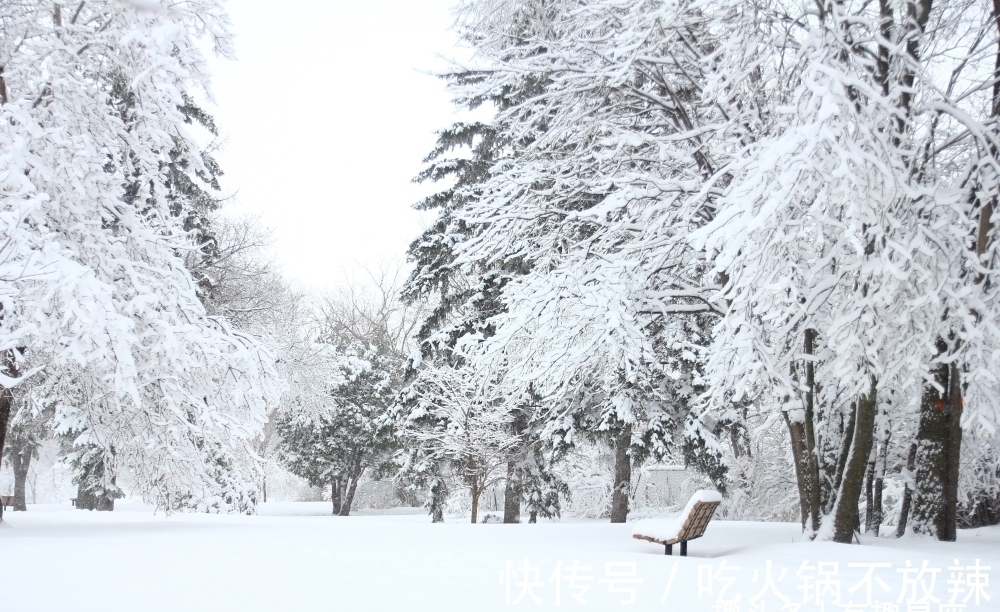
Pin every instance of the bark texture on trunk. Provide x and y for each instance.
(812, 458)
(21, 462)
(345, 508)
(939, 438)
(870, 490)
(511, 497)
(335, 495)
(845, 513)
(6, 395)
(439, 494)
(476, 491)
(796, 430)
(909, 481)
(949, 533)
(879, 480)
(349, 487)
(623, 477)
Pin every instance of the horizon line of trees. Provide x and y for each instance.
(757, 240)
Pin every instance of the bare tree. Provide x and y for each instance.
(367, 309)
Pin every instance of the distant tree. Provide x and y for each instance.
(456, 433)
(335, 446)
(29, 428)
(336, 437)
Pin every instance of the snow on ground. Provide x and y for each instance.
(295, 557)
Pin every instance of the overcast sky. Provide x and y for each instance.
(327, 114)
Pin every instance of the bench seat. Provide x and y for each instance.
(688, 525)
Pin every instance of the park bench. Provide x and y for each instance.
(688, 525)
(6, 500)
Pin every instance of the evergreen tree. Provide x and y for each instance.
(335, 446)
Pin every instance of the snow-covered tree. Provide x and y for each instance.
(456, 433)
(336, 444)
(609, 143)
(733, 212)
(92, 105)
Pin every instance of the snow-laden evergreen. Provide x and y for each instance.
(723, 214)
(92, 274)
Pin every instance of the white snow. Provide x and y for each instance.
(295, 557)
(668, 528)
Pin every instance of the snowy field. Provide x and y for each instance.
(295, 557)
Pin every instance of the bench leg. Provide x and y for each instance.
(668, 549)
(684, 548)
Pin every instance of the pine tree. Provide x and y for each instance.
(94, 215)
(336, 446)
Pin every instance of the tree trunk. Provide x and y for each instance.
(623, 477)
(845, 450)
(476, 492)
(511, 497)
(796, 430)
(909, 479)
(949, 533)
(345, 506)
(335, 495)
(439, 494)
(812, 457)
(933, 439)
(352, 487)
(845, 513)
(106, 502)
(870, 490)
(6, 395)
(21, 462)
(880, 461)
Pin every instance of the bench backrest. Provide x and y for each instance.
(697, 520)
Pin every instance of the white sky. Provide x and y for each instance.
(327, 114)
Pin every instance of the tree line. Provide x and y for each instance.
(690, 222)
(753, 239)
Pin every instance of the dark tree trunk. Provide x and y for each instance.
(6, 395)
(511, 497)
(352, 486)
(880, 461)
(796, 430)
(439, 494)
(812, 458)
(475, 490)
(930, 513)
(870, 490)
(623, 477)
(909, 477)
(105, 500)
(345, 507)
(335, 495)
(845, 514)
(949, 533)
(21, 462)
(845, 449)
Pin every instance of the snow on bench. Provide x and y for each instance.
(6, 500)
(688, 525)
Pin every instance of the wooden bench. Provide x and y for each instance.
(6, 500)
(688, 525)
